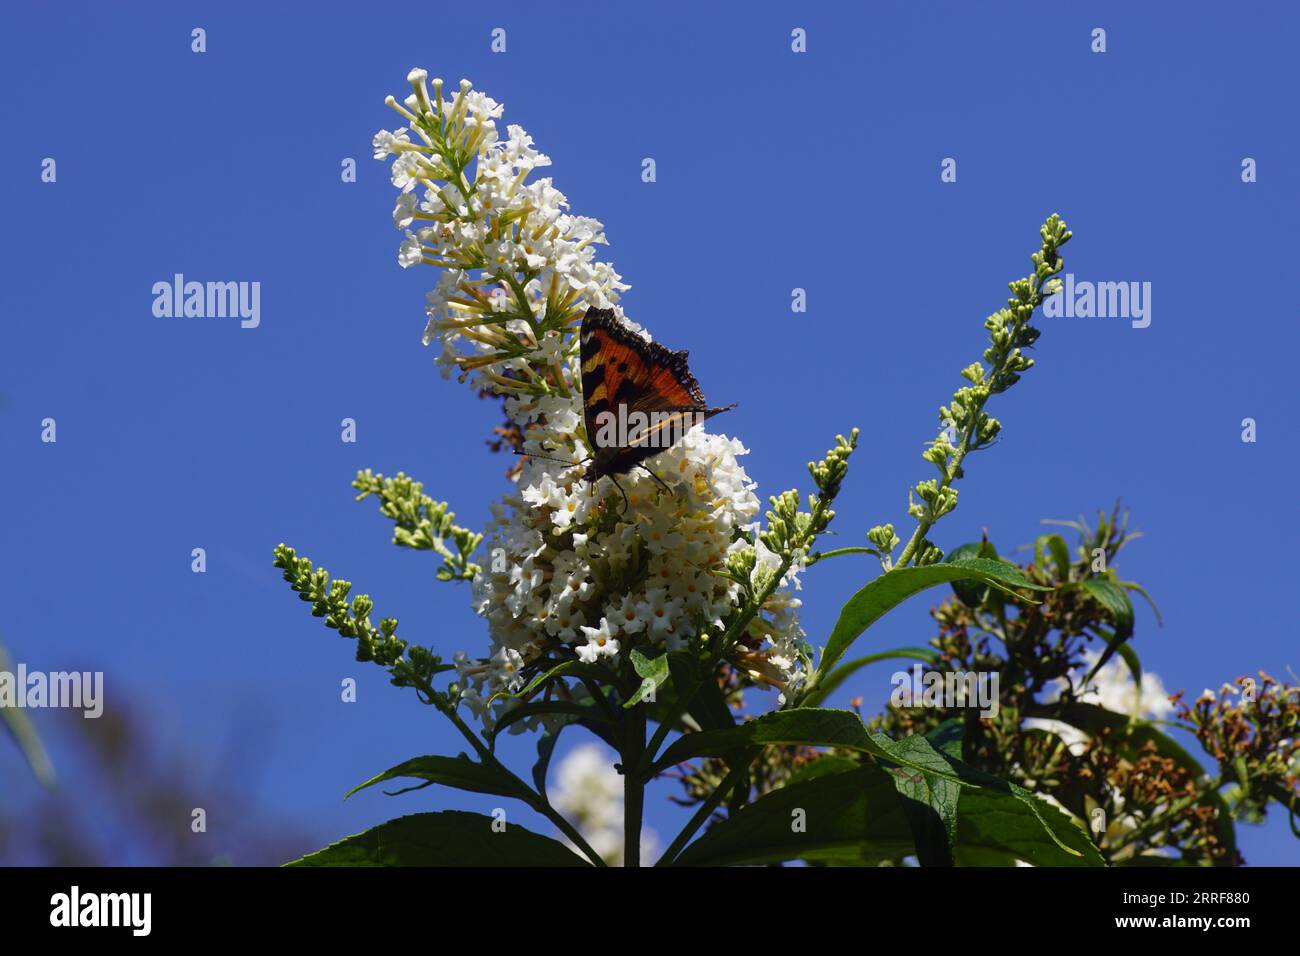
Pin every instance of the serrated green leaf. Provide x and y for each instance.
(803, 725)
(947, 738)
(929, 800)
(449, 838)
(1029, 829)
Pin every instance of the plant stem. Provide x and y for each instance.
(633, 787)
(964, 447)
(923, 525)
(814, 558)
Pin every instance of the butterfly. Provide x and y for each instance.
(638, 398)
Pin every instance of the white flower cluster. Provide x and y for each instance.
(572, 570)
(570, 566)
(512, 256)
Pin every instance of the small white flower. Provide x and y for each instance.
(406, 171)
(660, 535)
(552, 348)
(600, 643)
(387, 143)
(632, 615)
(660, 611)
(404, 211)
(411, 252)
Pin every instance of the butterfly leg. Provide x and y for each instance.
(626, 503)
(663, 484)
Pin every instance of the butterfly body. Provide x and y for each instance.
(638, 398)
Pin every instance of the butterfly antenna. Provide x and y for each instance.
(562, 461)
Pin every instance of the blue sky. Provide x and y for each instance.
(775, 171)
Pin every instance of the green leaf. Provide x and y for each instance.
(830, 763)
(1129, 656)
(1116, 603)
(1134, 586)
(1026, 822)
(576, 668)
(1028, 828)
(459, 772)
(653, 671)
(842, 673)
(1287, 799)
(987, 812)
(970, 855)
(1059, 551)
(947, 738)
(851, 816)
(970, 593)
(802, 725)
(974, 593)
(892, 588)
(449, 838)
(1118, 608)
(929, 801)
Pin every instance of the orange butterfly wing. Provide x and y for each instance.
(619, 368)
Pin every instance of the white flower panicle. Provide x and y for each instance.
(518, 268)
(573, 572)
